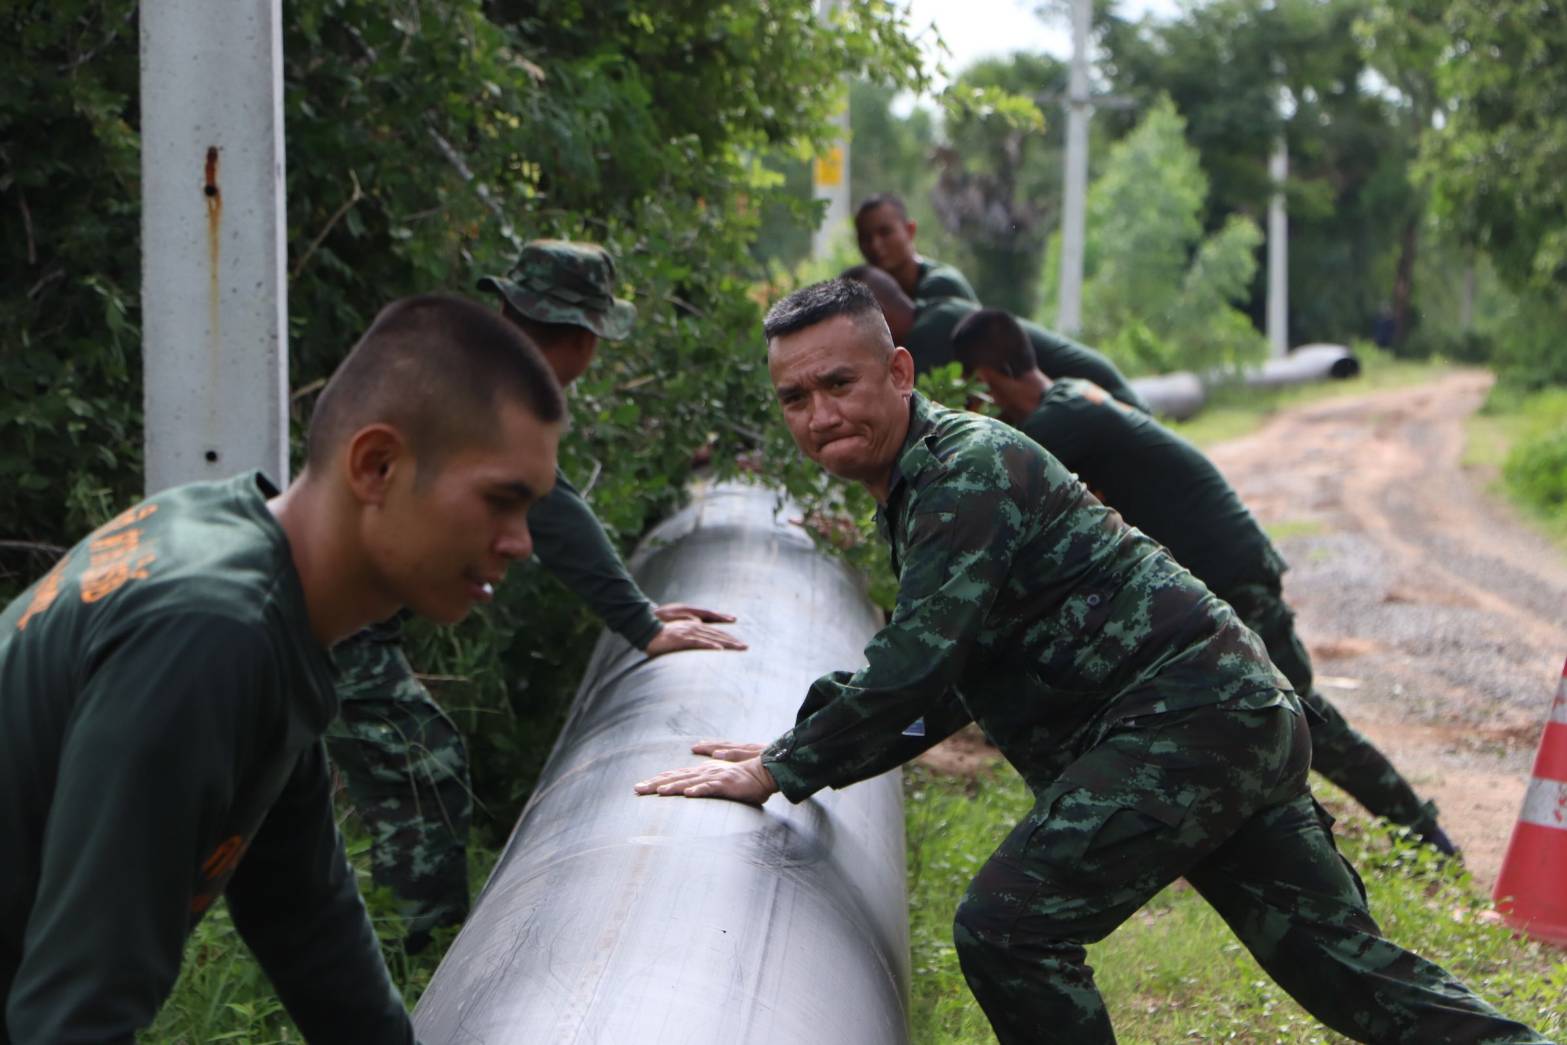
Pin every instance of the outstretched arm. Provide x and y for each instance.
(295, 902)
(572, 545)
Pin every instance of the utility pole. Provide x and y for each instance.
(214, 291)
(830, 171)
(1078, 108)
(1278, 253)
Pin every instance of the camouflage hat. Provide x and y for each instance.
(555, 281)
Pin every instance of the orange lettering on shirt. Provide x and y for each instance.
(216, 868)
(44, 595)
(125, 518)
(224, 857)
(115, 559)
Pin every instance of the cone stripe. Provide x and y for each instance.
(1531, 891)
(1545, 804)
(1550, 763)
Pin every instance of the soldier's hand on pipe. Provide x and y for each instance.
(747, 781)
(685, 611)
(690, 634)
(728, 750)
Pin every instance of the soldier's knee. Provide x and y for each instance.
(976, 924)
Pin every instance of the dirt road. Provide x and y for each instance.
(1436, 620)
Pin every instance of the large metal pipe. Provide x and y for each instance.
(1177, 396)
(614, 918)
(1318, 362)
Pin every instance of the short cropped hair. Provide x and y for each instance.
(881, 199)
(437, 368)
(883, 287)
(991, 337)
(820, 302)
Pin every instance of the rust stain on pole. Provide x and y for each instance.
(214, 226)
(214, 196)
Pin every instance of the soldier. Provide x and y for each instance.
(1156, 736)
(400, 755)
(925, 329)
(163, 690)
(886, 237)
(1165, 487)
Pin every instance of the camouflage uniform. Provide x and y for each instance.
(1167, 488)
(401, 757)
(405, 766)
(1156, 736)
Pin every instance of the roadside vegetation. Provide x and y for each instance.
(1519, 440)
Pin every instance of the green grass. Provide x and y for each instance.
(1174, 972)
(1512, 431)
(222, 994)
(1235, 411)
(1285, 529)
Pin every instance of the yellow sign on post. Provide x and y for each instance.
(829, 168)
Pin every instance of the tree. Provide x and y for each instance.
(1496, 164)
(1158, 295)
(998, 189)
(1243, 71)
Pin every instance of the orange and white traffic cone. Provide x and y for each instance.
(1531, 892)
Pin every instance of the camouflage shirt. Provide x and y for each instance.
(1023, 604)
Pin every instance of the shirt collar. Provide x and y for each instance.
(916, 454)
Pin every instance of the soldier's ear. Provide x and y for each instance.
(902, 369)
(373, 457)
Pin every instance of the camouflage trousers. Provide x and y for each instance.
(1338, 751)
(406, 770)
(1220, 797)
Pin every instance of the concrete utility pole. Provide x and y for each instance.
(214, 291)
(1079, 106)
(1278, 254)
(830, 171)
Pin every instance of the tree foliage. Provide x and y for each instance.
(1159, 294)
(426, 139)
(999, 174)
(1496, 165)
(1243, 71)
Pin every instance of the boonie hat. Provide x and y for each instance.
(555, 281)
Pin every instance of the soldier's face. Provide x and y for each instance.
(886, 237)
(844, 397)
(441, 540)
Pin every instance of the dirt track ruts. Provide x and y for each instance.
(1437, 620)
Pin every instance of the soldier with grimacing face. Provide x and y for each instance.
(1158, 739)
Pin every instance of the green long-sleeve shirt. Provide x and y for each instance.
(571, 543)
(1159, 482)
(937, 280)
(162, 700)
(929, 341)
(1023, 603)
